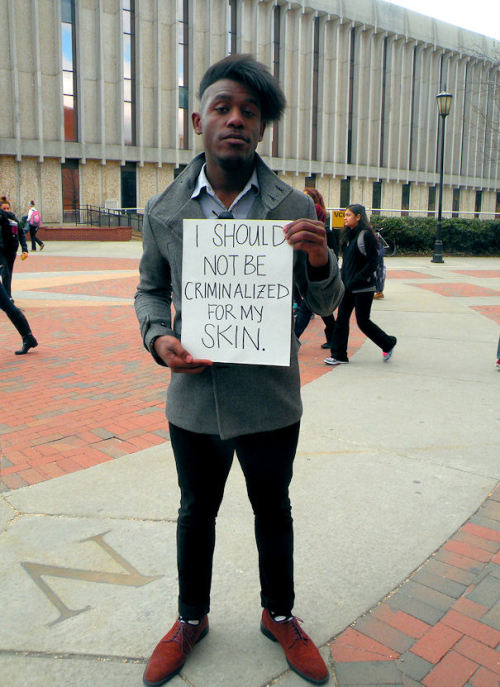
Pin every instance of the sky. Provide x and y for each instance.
(481, 16)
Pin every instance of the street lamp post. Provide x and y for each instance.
(444, 105)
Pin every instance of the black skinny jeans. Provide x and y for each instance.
(203, 463)
(362, 304)
(34, 237)
(13, 313)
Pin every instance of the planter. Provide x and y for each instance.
(84, 234)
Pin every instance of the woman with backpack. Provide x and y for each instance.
(34, 221)
(359, 264)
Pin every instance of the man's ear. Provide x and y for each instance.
(262, 130)
(196, 121)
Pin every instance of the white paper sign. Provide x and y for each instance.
(237, 278)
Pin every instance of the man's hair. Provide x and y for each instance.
(245, 69)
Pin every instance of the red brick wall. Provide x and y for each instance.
(84, 233)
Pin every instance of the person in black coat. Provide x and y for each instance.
(10, 238)
(359, 263)
(303, 314)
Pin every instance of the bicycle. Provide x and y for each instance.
(389, 245)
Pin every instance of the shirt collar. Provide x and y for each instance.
(203, 184)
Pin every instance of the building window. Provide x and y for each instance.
(231, 27)
(351, 97)
(182, 76)
(129, 185)
(128, 16)
(345, 192)
(276, 70)
(405, 199)
(431, 203)
(315, 91)
(383, 107)
(455, 207)
(413, 116)
(70, 179)
(376, 197)
(477, 204)
(68, 38)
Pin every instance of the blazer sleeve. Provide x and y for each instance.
(153, 298)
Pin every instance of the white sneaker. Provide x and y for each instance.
(334, 361)
(386, 356)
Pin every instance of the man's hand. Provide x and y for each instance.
(172, 352)
(310, 236)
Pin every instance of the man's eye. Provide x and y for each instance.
(249, 113)
(221, 108)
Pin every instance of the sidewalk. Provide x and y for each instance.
(395, 497)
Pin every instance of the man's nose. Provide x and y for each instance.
(235, 117)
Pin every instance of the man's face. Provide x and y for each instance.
(230, 122)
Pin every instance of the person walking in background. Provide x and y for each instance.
(498, 354)
(10, 238)
(34, 221)
(218, 410)
(359, 263)
(19, 321)
(303, 314)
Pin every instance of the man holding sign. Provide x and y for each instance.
(216, 409)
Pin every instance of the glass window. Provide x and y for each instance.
(70, 189)
(182, 73)
(456, 202)
(376, 197)
(431, 203)
(276, 70)
(231, 27)
(128, 58)
(477, 204)
(68, 58)
(67, 11)
(405, 199)
(345, 192)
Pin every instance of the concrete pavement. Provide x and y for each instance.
(394, 462)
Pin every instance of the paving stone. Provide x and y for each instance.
(428, 595)
(384, 633)
(419, 609)
(414, 666)
(484, 521)
(450, 572)
(492, 618)
(439, 583)
(487, 592)
(368, 673)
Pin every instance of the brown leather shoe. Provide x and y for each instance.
(379, 294)
(301, 653)
(172, 651)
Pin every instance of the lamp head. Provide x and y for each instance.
(443, 100)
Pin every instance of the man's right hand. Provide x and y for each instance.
(173, 354)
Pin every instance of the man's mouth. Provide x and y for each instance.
(236, 138)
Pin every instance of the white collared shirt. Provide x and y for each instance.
(211, 205)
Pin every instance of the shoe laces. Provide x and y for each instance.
(184, 636)
(298, 635)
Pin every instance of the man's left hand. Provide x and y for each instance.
(310, 236)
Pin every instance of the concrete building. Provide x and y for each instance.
(97, 96)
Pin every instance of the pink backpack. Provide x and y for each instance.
(35, 218)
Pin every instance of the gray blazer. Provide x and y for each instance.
(225, 399)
